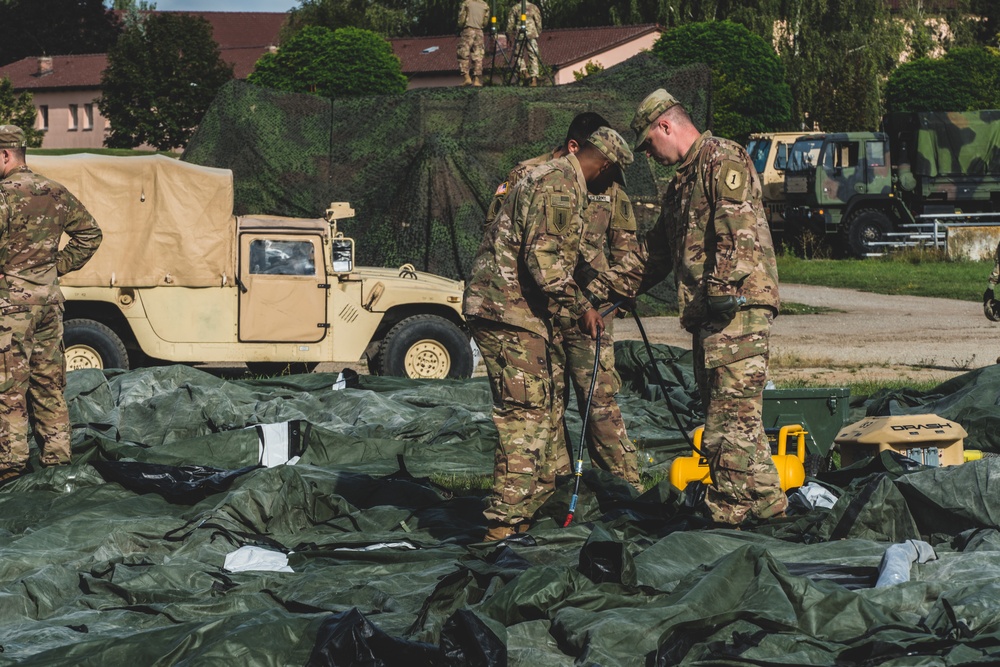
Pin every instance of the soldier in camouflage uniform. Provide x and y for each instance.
(525, 44)
(521, 277)
(991, 307)
(609, 229)
(34, 214)
(472, 18)
(713, 233)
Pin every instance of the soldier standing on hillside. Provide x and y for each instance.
(713, 233)
(521, 277)
(34, 214)
(527, 62)
(472, 18)
(609, 229)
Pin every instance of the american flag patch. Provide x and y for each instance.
(501, 189)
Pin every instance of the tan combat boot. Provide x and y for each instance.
(497, 531)
(477, 82)
(534, 82)
(466, 79)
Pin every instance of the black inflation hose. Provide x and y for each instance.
(578, 470)
(662, 383)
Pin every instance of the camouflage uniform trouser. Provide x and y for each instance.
(470, 48)
(731, 369)
(32, 380)
(607, 441)
(528, 58)
(528, 456)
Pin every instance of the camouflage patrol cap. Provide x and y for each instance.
(614, 147)
(649, 110)
(11, 136)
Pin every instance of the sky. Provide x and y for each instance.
(227, 5)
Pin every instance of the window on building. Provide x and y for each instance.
(74, 117)
(43, 117)
(88, 117)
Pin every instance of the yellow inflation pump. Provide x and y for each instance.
(791, 468)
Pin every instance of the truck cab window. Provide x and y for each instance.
(284, 258)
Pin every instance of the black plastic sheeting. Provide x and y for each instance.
(119, 558)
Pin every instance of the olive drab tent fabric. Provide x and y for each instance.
(420, 168)
(290, 521)
(165, 222)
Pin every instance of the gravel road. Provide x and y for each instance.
(872, 336)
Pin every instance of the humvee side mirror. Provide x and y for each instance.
(342, 255)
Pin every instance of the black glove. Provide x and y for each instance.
(722, 308)
(625, 304)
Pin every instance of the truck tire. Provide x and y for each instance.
(272, 368)
(425, 346)
(865, 227)
(90, 344)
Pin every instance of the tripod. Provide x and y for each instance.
(513, 54)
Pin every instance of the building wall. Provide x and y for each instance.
(608, 58)
(86, 130)
(564, 75)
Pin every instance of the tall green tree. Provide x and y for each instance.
(19, 110)
(749, 93)
(162, 74)
(55, 27)
(390, 18)
(332, 63)
(838, 54)
(964, 79)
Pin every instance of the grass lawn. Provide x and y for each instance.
(914, 274)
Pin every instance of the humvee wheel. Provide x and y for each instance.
(90, 344)
(425, 346)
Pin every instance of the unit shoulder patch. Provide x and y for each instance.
(560, 213)
(733, 180)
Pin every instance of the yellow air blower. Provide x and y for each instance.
(791, 468)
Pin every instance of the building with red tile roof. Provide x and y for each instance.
(430, 61)
(66, 88)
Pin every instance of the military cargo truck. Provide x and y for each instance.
(858, 187)
(179, 278)
(769, 153)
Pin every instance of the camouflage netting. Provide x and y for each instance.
(420, 168)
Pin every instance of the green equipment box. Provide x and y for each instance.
(821, 411)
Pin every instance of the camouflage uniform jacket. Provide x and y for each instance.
(532, 24)
(523, 272)
(609, 227)
(520, 170)
(473, 14)
(609, 246)
(713, 232)
(34, 213)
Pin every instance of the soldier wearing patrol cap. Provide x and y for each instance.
(713, 233)
(609, 269)
(34, 214)
(521, 278)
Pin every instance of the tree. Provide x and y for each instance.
(162, 74)
(838, 54)
(348, 61)
(749, 90)
(55, 27)
(19, 110)
(964, 79)
(390, 18)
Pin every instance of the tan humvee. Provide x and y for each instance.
(769, 153)
(179, 278)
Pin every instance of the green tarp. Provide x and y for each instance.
(119, 558)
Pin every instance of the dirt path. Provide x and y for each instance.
(876, 337)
